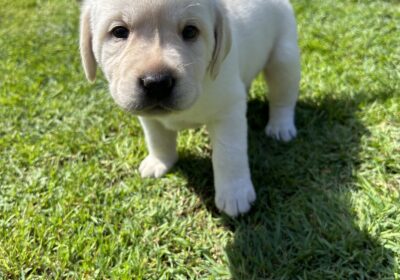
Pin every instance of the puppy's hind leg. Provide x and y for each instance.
(283, 76)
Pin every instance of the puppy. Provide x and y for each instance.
(180, 64)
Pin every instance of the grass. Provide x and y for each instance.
(72, 205)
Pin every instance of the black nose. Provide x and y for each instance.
(157, 85)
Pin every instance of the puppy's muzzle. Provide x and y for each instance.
(157, 91)
(157, 86)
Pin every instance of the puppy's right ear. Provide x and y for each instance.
(88, 59)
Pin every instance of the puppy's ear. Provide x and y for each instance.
(88, 59)
(223, 41)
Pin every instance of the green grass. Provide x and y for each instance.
(72, 205)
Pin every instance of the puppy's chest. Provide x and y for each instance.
(195, 117)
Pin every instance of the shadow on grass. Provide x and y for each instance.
(302, 225)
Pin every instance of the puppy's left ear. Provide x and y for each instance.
(223, 41)
(86, 47)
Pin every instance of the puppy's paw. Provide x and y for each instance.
(235, 199)
(281, 130)
(152, 167)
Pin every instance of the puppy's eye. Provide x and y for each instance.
(190, 33)
(120, 32)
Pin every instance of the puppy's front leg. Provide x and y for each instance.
(234, 190)
(161, 144)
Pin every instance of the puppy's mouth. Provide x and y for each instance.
(152, 108)
(138, 102)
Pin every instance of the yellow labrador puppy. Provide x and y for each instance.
(180, 64)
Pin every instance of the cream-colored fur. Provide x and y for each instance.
(236, 40)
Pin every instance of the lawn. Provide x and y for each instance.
(73, 206)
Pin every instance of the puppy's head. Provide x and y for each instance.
(155, 54)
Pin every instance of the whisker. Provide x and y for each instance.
(192, 5)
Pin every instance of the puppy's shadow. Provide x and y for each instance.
(199, 173)
(302, 225)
